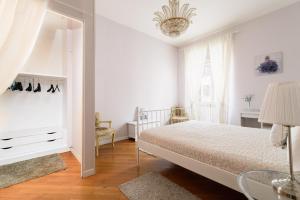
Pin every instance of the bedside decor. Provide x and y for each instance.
(269, 64)
(282, 106)
(173, 21)
(248, 99)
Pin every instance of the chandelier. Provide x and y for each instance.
(173, 21)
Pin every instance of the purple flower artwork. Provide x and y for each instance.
(269, 64)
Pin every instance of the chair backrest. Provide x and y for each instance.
(178, 111)
(97, 119)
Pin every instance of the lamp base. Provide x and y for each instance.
(287, 187)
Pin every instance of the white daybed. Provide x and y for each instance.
(218, 152)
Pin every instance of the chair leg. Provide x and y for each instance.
(97, 146)
(137, 156)
(113, 139)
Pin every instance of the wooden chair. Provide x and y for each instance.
(178, 115)
(102, 131)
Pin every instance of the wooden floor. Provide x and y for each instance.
(114, 166)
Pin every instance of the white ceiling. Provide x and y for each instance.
(212, 15)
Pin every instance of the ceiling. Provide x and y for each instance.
(212, 15)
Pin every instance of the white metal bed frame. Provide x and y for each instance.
(216, 174)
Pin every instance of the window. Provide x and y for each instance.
(206, 91)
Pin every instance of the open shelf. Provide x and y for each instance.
(49, 76)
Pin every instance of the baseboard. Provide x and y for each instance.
(76, 154)
(89, 172)
(108, 140)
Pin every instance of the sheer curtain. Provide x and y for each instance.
(207, 66)
(20, 23)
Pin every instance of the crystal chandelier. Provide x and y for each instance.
(174, 20)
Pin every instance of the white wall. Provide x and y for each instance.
(132, 70)
(278, 31)
(77, 88)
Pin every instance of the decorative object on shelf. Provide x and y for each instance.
(57, 88)
(38, 89)
(269, 63)
(29, 88)
(282, 106)
(174, 21)
(16, 86)
(29, 80)
(51, 89)
(248, 99)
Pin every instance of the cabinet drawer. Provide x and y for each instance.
(9, 152)
(29, 132)
(13, 142)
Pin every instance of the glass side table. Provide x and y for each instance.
(258, 185)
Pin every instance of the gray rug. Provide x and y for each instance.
(153, 186)
(25, 170)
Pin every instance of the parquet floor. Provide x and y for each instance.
(114, 166)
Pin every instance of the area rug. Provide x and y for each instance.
(26, 170)
(153, 186)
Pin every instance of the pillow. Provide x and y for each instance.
(278, 135)
(295, 136)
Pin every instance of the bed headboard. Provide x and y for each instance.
(151, 118)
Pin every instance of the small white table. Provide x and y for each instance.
(258, 184)
(249, 118)
(145, 124)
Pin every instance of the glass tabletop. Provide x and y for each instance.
(258, 185)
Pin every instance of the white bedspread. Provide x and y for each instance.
(232, 148)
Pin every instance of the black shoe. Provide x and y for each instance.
(38, 89)
(57, 88)
(29, 88)
(20, 86)
(14, 86)
(51, 88)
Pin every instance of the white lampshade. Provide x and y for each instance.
(281, 104)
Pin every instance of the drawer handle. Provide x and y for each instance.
(6, 148)
(7, 139)
(51, 133)
(50, 140)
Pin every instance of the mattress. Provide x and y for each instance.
(231, 148)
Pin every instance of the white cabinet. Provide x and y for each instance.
(249, 118)
(15, 145)
(132, 130)
(145, 124)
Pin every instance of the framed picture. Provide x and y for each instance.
(271, 63)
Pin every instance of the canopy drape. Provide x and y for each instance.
(20, 24)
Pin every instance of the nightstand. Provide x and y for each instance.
(249, 118)
(145, 124)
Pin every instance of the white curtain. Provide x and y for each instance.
(20, 23)
(215, 52)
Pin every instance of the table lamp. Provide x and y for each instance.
(281, 105)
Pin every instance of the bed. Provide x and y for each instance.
(218, 152)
